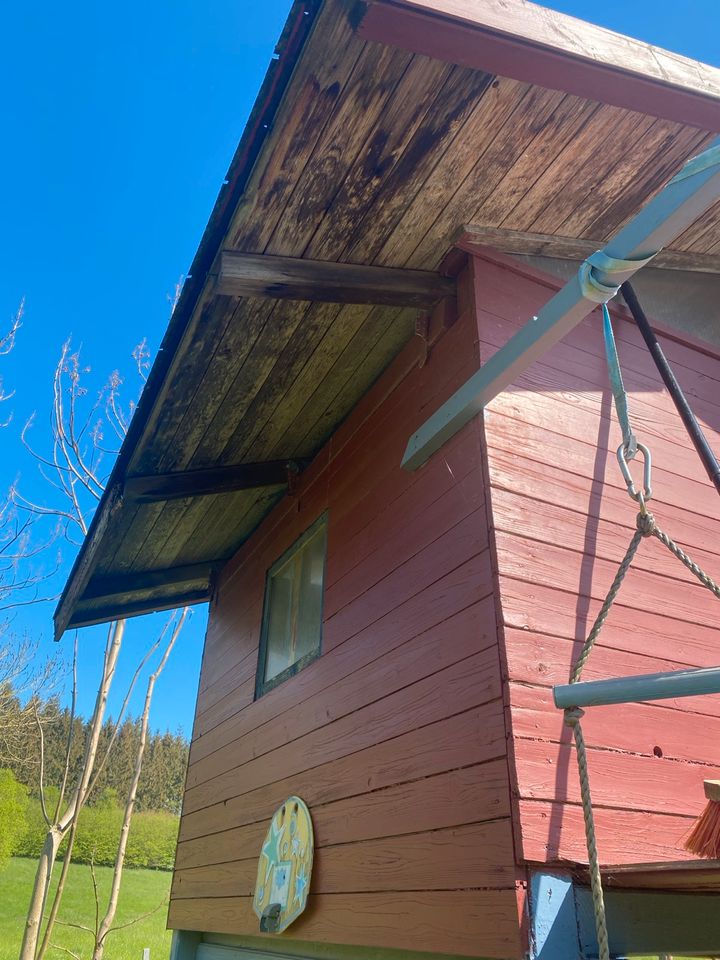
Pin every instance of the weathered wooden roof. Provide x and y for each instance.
(380, 131)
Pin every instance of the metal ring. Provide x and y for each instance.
(646, 493)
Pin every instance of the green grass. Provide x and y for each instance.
(141, 891)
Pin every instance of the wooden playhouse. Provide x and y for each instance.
(417, 180)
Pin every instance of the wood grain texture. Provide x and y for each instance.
(437, 801)
(441, 859)
(471, 922)
(476, 736)
(553, 50)
(288, 278)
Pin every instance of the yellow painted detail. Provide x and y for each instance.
(285, 864)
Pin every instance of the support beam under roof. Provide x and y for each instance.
(288, 278)
(128, 584)
(211, 480)
(115, 610)
(474, 237)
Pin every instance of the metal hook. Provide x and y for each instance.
(646, 493)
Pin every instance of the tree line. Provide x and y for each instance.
(162, 778)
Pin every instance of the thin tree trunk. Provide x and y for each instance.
(43, 875)
(107, 921)
(52, 916)
(60, 827)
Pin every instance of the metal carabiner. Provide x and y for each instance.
(646, 493)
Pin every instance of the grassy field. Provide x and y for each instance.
(141, 891)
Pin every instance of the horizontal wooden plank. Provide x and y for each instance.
(645, 729)
(546, 610)
(554, 832)
(428, 654)
(512, 292)
(475, 237)
(473, 737)
(597, 464)
(545, 659)
(621, 781)
(540, 521)
(463, 685)
(449, 519)
(592, 497)
(448, 595)
(442, 800)
(479, 855)
(572, 39)
(462, 546)
(296, 710)
(476, 922)
(288, 278)
(570, 571)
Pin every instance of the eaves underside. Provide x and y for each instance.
(369, 155)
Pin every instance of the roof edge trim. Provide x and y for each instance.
(298, 27)
(531, 44)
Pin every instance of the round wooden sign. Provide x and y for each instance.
(284, 868)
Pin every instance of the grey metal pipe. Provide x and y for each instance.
(648, 686)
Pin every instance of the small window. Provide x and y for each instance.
(292, 616)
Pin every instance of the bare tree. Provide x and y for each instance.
(7, 342)
(74, 466)
(105, 927)
(21, 679)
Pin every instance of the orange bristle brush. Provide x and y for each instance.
(704, 838)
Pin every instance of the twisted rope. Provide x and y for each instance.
(572, 719)
(646, 527)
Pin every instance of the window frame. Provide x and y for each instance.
(265, 686)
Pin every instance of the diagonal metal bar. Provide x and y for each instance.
(685, 198)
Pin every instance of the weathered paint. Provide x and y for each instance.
(395, 736)
(561, 522)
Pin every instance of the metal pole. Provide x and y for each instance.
(685, 198)
(709, 460)
(648, 686)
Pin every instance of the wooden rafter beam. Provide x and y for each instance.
(474, 237)
(114, 609)
(129, 584)
(211, 480)
(287, 278)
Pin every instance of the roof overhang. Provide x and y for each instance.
(528, 42)
(299, 204)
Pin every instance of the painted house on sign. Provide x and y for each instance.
(416, 182)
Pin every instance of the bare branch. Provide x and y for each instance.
(67, 950)
(143, 916)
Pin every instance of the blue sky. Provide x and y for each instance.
(120, 122)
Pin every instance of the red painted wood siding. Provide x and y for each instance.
(561, 522)
(395, 736)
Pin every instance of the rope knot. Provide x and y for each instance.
(646, 524)
(573, 716)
